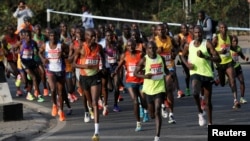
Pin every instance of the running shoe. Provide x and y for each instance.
(19, 93)
(141, 112)
(120, 98)
(86, 117)
(69, 112)
(164, 111)
(138, 127)
(91, 113)
(40, 98)
(71, 99)
(116, 108)
(105, 110)
(121, 88)
(61, 116)
(100, 104)
(45, 92)
(75, 98)
(202, 120)
(180, 94)
(54, 110)
(236, 105)
(157, 138)
(95, 137)
(29, 96)
(145, 117)
(171, 119)
(187, 92)
(243, 100)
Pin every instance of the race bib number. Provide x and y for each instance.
(235, 57)
(92, 61)
(157, 71)
(111, 60)
(167, 57)
(27, 54)
(131, 69)
(227, 48)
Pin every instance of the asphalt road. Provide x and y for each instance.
(120, 126)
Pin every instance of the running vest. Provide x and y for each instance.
(167, 48)
(188, 37)
(90, 57)
(27, 51)
(54, 56)
(225, 58)
(235, 56)
(39, 40)
(131, 61)
(11, 41)
(156, 84)
(76, 46)
(201, 66)
(111, 55)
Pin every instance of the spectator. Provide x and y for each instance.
(206, 23)
(87, 22)
(21, 12)
(26, 25)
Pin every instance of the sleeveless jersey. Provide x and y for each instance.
(166, 53)
(54, 56)
(27, 51)
(201, 66)
(156, 84)
(188, 37)
(90, 57)
(111, 55)
(235, 56)
(11, 41)
(225, 58)
(130, 64)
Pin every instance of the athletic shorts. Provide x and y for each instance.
(87, 81)
(58, 75)
(112, 67)
(29, 64)
(238, 70)
(204, 80)
(69, 75)
(133, 85)
(151, 98)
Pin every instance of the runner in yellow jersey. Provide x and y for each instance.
(200, 54)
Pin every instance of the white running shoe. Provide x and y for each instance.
(171, 119)
(202, 120)
(157, 138)
(86, 117)
(164, 112)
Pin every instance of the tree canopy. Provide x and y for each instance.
(234, 13)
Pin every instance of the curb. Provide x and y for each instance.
(39, 122)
